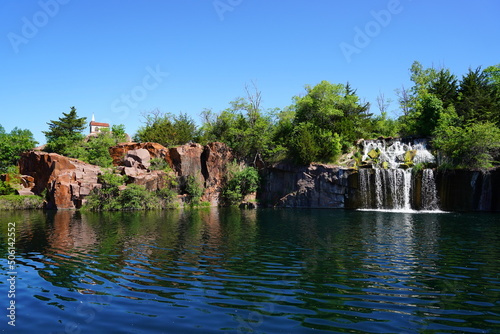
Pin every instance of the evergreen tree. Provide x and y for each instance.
(70, 126)
(65, 133)
(445, 87)
(478, 98)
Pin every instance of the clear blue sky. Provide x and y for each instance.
(120, 58)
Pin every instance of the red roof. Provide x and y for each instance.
(99, 124)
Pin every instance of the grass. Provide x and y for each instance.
(17, 202)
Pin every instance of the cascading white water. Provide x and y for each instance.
(388, 183)
(429, 191)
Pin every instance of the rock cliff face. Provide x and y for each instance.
(314, 186)
(207, 164)
(465, 190)
(68, 181)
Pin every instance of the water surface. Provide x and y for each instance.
(259, 271)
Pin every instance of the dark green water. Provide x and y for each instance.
(263, 271)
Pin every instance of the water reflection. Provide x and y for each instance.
(228, 270)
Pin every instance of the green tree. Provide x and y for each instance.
(244, 127)
(493, 74)
(478, 100)
(445, 88)
(429, 110)
(166, 129)
(327, 115)
(475, 145)
(97, 149)
(65, 133)
(118, 133)
(12, 145)
(240, 182)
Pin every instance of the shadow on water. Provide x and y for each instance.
(266, 271)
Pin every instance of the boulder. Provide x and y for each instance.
(119, 152)
(139, 157)
(67, 181)
(374, 154)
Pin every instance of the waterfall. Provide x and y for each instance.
(429, 191)
(486, 193)
(364, 186)
(386, 179)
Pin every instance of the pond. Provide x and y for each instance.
(250, 271)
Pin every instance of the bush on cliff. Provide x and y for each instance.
(193, 189)
(240, 182)
(134, 197)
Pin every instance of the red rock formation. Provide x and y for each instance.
(66, 180)
(215, 158)
(207, 164)
(155, 150)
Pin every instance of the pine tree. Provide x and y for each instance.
(445, 88)
(65, 133)
(68, 126)
(478, 98)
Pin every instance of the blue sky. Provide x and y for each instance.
(119, 59)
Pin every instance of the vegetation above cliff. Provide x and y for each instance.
(461, 116)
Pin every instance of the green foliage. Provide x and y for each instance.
(479, 99)
(13, 181)
(384, 126)
(475, 145)
(65, 133)
(12, 145)
(166, 129)
(445, 88)
(107, 197)
(97, 149)
(159, 164)
(239, 183)
(6, 188)
(193, 189)
(136, 197)
(167, 195)
(133, 197)
(244, 127)
(332, 109)
(118, 133)
(16, 202)
(428, 113)
(418, 168)
(310, 143)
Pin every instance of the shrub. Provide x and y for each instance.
(159, 164)
(471, 146)
(193, 189)
(240, 183)
(6, 188)
(136, 197)
(106, 198)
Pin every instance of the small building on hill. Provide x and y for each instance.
(96, 127)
